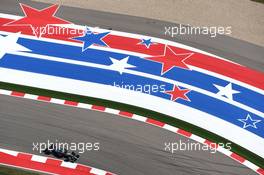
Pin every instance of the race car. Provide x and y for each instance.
(61, 153)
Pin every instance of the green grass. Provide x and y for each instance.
(4, 170)
(260, 1)
(140, 111)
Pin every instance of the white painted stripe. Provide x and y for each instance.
(170, 128)
(218, 126)
(139, 118)
(251, 165)
(13, 153)
(144, 55)
(98, 171)
(9, 16)
(37, 158)
(146, 75)
(69, 165)
(197, 138)
(57, 101)
(84, 105)
(31, 96)
(224, 151)
(112, 111)
(5, 92)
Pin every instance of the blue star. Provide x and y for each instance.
(249, 122)
(89, 38)
(146, 42)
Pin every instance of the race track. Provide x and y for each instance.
(126, 146)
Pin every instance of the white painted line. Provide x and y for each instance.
(97, 171)
(112, 111)
(30, 96)
(224, 151)
(5, 92)
(197, 138)
(84, 105)
(57, 101)
(139, 118)
(69, 165)
(170, 128)
(13, 153)
(37, 158)
(251, 165)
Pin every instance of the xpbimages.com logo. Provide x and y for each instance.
(212, 31)
(79, 147)
(180, 145)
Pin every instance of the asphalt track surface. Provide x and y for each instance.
(126, 146)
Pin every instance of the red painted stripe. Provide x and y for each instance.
(241, 73)
(24, 156)
(98, 108)
(71, 103)
(260, 171)
(155, 122)
(238, 157)
(109, 173)
(211, 144)
(53, 162)
(83, 168)
(125, 114)
(44, 98)
(51, 166)
(18, 94)
(185, 133)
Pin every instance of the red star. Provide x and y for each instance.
(170, 59)
(178, 93)
(38, 18)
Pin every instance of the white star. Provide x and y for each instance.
(249, 122)
(9, 44)
(226, 91)
(120, 65)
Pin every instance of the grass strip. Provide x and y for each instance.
(260, 1)
(257, 160)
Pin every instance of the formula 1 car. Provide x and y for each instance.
(62, 153)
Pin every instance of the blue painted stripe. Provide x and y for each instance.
(194, 78)
(198, 101)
